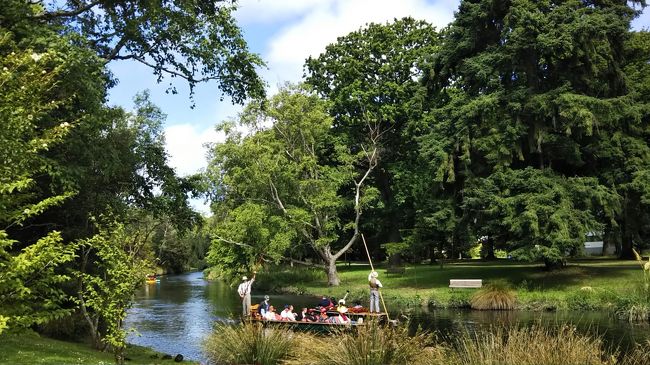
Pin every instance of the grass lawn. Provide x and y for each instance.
(31, 349)
(584, 284)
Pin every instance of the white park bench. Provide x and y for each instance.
(465, 283)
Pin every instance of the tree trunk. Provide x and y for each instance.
(627, 236)
(488, 248)
(332, 274)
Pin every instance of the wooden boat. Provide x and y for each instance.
(358, 314)
(308, 326)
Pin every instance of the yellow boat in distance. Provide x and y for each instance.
(152, 279)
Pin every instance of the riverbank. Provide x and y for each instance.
(30, 348)
(590, 284)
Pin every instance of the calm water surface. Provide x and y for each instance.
(175, 315)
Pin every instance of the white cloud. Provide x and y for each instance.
(273, 11)
(326, 20)
(185, 146)
(187, 153)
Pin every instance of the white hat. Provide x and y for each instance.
(374, 274)
(342, 301)
(244, 278)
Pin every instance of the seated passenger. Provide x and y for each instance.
(305, 316)
(342, 317)
(271, 315)
(324, 302)
(323, 315)
(341, 304)
(287, 314)
(263, 307)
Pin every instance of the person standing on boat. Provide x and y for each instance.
(374, 291)
(244, 291)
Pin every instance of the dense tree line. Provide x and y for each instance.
(87, 199)
(524, 123)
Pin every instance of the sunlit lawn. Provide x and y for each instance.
(531, 281)
(29, 348)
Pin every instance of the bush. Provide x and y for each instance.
(494, 296)
(249, 343)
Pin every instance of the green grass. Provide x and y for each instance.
(30, 348)
(584, 285)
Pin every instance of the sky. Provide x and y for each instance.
(284, 33)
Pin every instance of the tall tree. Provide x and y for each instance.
(37, 112)
(529, 84)
(196, 40)
(286, 184)
(373, 74)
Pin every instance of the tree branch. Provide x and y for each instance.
(70, 13)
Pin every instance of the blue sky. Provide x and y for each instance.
(284, 33)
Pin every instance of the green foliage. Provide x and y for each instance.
(370, 76)
(393, 248)
(281, 188)
(529, 85)
(249, 343)
(539, 215)
(29, 281)
(113, 265)
(198, 41)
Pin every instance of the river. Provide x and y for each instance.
(175, 315)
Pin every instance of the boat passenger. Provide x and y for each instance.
(341, 304)
(305, 316)
(263, 307)
(287, 314)
(342, 317)
(323, 315)
(271, 315)
(325, 302)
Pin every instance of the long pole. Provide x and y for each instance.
(373, 269)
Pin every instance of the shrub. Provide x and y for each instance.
(494, 296)
(249, 343)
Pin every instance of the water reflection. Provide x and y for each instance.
(175, 316)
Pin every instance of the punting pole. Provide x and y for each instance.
(373, 269)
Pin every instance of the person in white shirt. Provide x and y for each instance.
(244, 291)
(270, 314)
(374, 291)
(287, 314)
